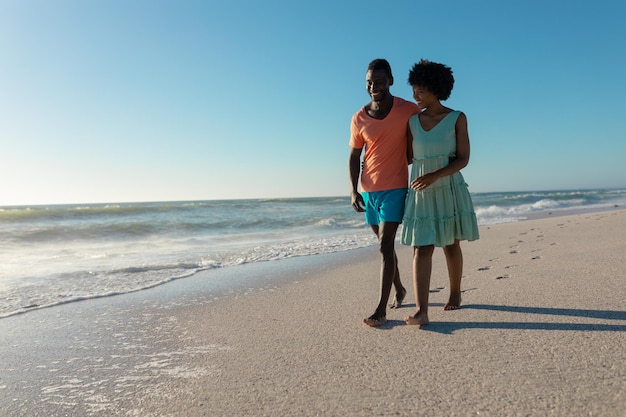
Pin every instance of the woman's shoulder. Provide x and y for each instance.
(457, 115)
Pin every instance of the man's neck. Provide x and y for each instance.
(380, 109)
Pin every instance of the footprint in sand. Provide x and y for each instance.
(536, 257)
(510, 266)
(513, 251)
(436, 289)
(484, 268)
(503, 276)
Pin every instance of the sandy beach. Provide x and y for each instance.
(542, 332)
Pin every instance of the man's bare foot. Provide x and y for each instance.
(375, 320)
(398, 299)
(454, 302)
(419, 319)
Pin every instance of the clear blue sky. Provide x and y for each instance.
(148, 100)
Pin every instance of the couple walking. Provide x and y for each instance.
(436, 209)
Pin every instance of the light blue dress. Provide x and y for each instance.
(444, 211)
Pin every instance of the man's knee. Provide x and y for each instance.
(387, 247)
(387, 238)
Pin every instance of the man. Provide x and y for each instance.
(380, 127)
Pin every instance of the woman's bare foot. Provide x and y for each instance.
(419, 319)
(454, 302)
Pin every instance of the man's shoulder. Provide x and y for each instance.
(360, 110)
(360, 115)
(404, 103)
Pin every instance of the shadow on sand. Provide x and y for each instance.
(450, 327)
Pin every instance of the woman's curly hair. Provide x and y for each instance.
(435, 77)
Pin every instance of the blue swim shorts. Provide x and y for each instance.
(384, 206)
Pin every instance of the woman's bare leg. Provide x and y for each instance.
(422, 268)
(454, 259)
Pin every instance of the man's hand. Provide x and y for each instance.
(358, 204)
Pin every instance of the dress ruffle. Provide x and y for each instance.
(440, 214)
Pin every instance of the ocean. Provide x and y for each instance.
(57, 254)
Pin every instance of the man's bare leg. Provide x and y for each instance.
(400, 290)
(386, 233)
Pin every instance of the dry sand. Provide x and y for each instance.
(542, 332)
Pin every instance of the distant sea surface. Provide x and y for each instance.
(57, 254)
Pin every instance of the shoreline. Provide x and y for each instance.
(570, 211)
(541, 332)
(303, 259)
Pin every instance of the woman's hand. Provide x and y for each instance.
(424, 181)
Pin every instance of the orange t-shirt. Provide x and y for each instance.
(385, 165)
